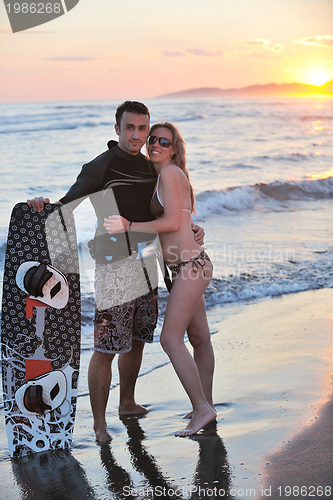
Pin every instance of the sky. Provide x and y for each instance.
(137, 49)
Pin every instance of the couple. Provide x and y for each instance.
(123, 327)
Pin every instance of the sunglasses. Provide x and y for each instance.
(163, 141)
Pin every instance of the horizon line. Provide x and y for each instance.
(193, 89)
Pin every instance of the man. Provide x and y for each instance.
(122, 181)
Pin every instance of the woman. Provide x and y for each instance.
(172, 205)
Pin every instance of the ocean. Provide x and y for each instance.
(263, 179)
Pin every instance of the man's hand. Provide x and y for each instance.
(199, 234)
(38, 203)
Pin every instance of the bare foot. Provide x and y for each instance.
(190, 414)
(102, 436)
(197, 422)
(132, 409)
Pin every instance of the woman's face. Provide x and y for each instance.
(159, 154)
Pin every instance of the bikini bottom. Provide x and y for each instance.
(198, 261)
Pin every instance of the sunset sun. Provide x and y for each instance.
(318, 77)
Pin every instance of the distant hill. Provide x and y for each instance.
(271, 89)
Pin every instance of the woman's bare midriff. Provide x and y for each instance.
(180, 245)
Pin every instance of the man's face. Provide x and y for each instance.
(133, 132)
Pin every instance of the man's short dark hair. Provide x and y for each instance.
(132, 107)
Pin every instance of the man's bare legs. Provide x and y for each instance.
(184, 298)
(129, 365)
(99, 380)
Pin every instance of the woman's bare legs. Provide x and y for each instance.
(199, 336)
(185, 295)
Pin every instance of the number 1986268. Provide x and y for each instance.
(304, 491)
(34, 8)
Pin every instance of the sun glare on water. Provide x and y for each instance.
(325, 175)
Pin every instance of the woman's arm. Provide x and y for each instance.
(172, 199)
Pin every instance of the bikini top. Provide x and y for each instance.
(156, 204)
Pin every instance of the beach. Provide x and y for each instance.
(273, 394)
(261, 171)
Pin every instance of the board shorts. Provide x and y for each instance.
(126, 304)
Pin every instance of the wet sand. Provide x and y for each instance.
(273, 393)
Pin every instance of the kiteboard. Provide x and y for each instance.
(40, 329)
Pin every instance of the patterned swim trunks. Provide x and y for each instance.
(126, 304)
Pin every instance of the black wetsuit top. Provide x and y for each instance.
(116, 183)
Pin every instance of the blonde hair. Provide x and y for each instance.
(179, 158)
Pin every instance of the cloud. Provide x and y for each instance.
(256, 55)
(262, 43)
(175, 53)
(317, 41)
(261, 55)
(259, 42)
(274, 50)
(205, 53)
(194, 52)
(278, 47)
(72, 58)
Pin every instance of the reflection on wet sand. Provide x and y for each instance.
(117, 478)
(57, 475)
(119, 481)
(212, 472)
(52, 475)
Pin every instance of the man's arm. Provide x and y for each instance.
(87, 182)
